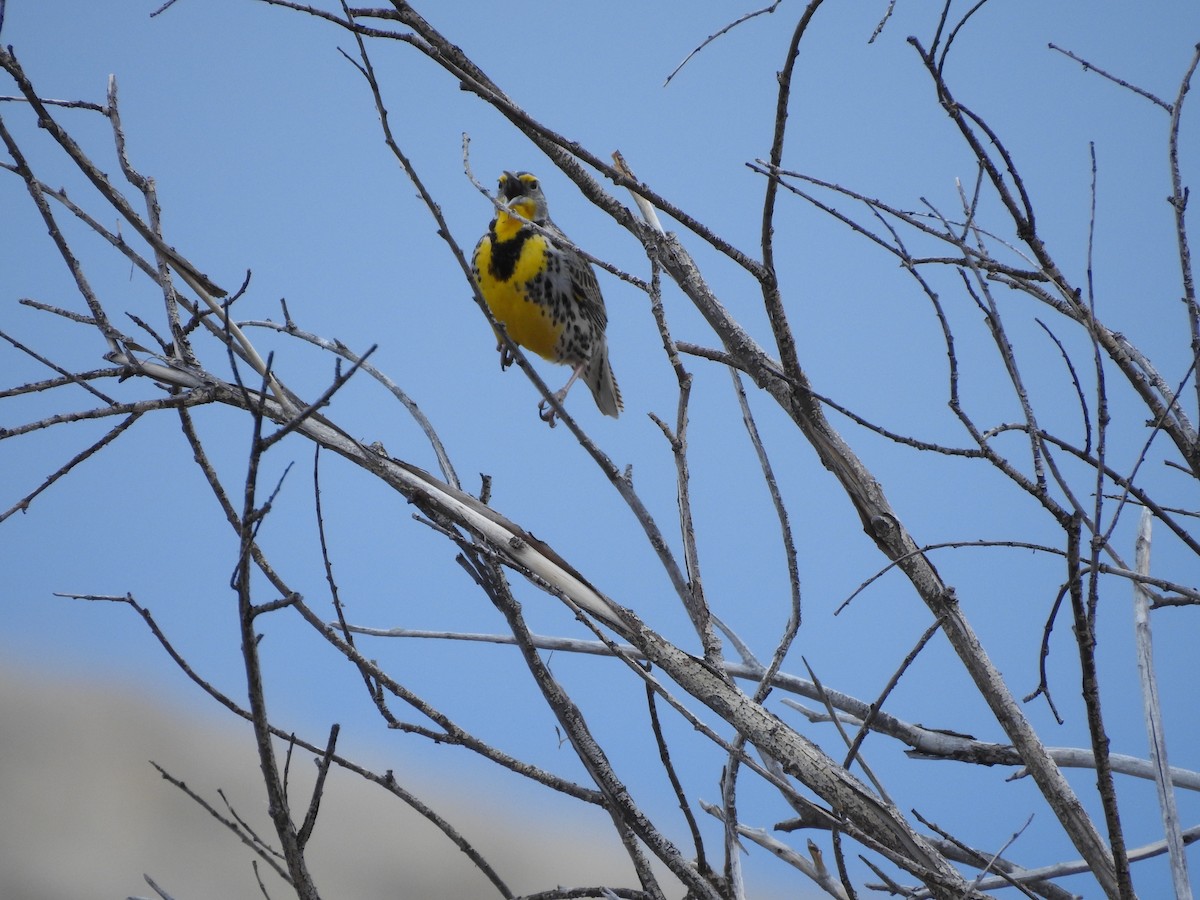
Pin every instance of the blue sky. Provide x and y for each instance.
(267, 156)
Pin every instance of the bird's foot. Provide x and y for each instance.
(546, 411)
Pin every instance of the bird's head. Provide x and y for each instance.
(522, 193)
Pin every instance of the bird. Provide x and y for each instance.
(544, 292)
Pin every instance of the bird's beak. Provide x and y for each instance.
(513, 188)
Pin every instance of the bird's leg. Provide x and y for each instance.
(506, 356)
(546, 412)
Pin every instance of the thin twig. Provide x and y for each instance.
(1179, 200)
(1091, 67)
(22, 505)
(712, 37)
(246, 837)
(664, 755)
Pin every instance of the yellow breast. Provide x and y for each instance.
(527, 321)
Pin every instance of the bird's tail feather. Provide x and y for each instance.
(599, 377)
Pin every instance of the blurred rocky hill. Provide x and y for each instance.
(83, 814)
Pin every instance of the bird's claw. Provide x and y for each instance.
(547, 413)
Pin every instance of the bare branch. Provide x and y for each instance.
(1091, 67)
(1154, 722)
(237, 827)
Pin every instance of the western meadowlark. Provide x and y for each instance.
(544, 292)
